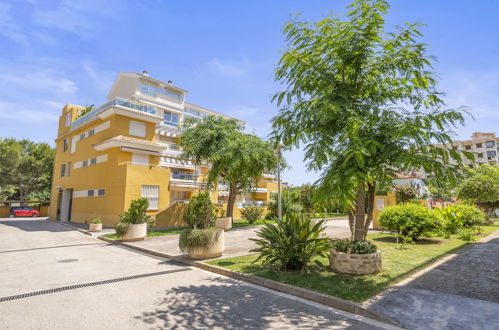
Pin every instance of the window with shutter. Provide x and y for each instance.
(152, 195)
(137, 128)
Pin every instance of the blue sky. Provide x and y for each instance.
(222, 52)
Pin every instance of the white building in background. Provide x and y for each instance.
(484, 145)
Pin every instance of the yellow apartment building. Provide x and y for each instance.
(127, 148)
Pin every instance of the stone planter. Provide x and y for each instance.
(135, 232)
(349, 263)
(94, 227)
(224, 223)
(214, 251)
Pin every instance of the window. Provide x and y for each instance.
(479, 145)
(137, 128)
(85, 163)
(148, 89)
(468, 147)
(491, 153)
(68, 119)
(152, 195)
(82, 136)
(65, 145)
(63, 170)
(454, 147)
(90, 193)
(91, 132)
(101, 192)
(489, 144)
(192, 112)
(170, 118)
(154, 90)
(480, 154)
(93, 161)
(68, 169)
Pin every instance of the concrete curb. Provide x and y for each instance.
(331, 301)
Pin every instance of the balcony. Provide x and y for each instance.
(117, 102)
(184, 175)
(251, 204)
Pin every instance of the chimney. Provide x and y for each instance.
(170, 82)
(145, 73)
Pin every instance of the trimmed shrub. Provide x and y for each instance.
(410, 220)
(468, 234)
(200, 213)
(292, 243)
(251, 214)
(198, 238)
(456, 217)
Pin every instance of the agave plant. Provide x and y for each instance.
(292, 243)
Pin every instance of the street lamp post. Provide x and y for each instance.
(279, 200)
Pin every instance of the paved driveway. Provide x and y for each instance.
(460, 292)
(55, 278)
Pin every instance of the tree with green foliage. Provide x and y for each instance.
(364, 104)
(236, 158)
(25, 169)
(481, 187)
(85, 110)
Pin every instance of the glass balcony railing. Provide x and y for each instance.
(183, 176)
(116, 102)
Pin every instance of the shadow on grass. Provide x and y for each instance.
(421, 241)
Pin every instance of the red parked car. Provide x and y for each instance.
(23, 211)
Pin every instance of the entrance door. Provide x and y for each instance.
(67, 196)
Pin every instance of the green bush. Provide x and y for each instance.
(251, 214)
(470, 215)
(136, 214)
(410, 220)
(356, 247)
(468, 234)
(198, 238)
(292, 243)
(200, 213)
(96, 221)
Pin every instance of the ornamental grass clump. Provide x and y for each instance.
(292, 243)
(96, 221)
(200, 215)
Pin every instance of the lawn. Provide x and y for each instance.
(240, 223)
(398, 263)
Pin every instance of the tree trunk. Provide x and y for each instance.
(230, 203)
(351, 219)
(360, 211)
(371, 189)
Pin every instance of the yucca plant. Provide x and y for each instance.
(292, 243)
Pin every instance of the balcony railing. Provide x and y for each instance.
(115, 102)
(184, 176)
(251, 203)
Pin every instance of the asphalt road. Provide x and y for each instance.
(52, 277)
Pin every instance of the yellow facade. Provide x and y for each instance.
(117, 154)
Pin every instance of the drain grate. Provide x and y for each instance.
(84, 285)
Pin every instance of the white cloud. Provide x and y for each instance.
(243, 111)
(30, 112)
(45, 79)
(102, 80)
(7, 26)
(74, 16)
(229, 68)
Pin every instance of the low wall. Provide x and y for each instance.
(171, 216)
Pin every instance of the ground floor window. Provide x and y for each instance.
(152, 195)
